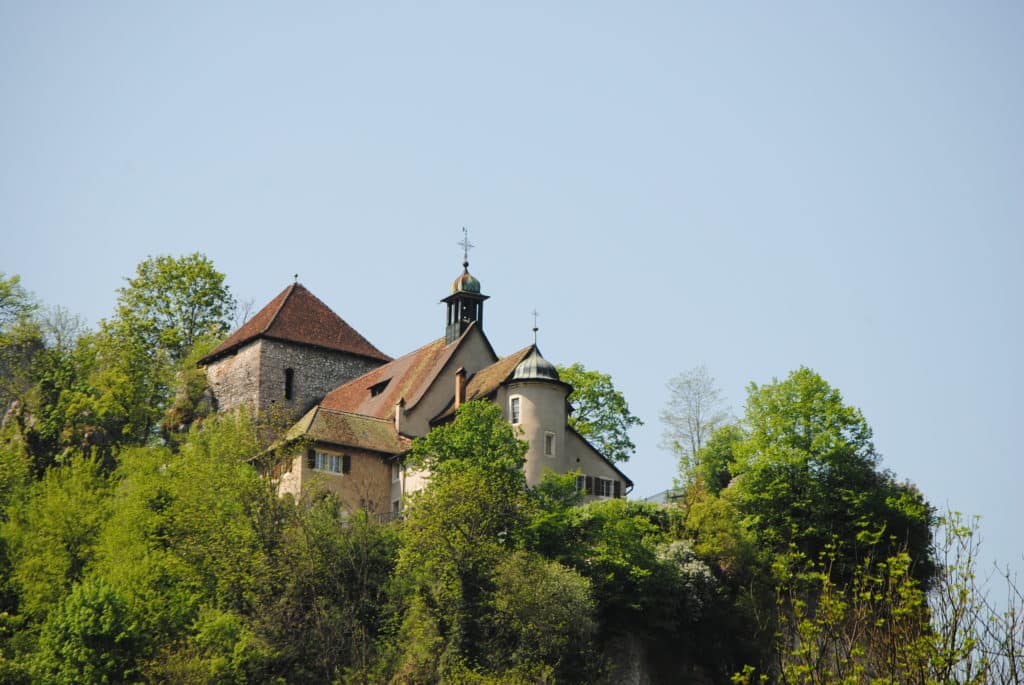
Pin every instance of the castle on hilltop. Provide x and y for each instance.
(359, 409)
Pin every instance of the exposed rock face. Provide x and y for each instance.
(634, 663)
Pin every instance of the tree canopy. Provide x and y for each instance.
(171, 303)
(129, 557)
(600, 412)
(807, 475)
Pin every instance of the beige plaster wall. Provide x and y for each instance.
(473, 354)
(588, 462)
(366, 486)
(541, 411)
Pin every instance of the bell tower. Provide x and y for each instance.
(466, 303)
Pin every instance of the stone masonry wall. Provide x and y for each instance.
(316, 372)
(255, 375)
(234, 379)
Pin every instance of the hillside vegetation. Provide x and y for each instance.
(138, 542)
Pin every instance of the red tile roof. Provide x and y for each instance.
(486, 380)
(297, 315)
(407, 377)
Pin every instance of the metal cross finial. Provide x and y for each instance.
(466, 246)
(535, 327)
(296, 278)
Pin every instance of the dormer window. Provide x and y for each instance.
(378, 388)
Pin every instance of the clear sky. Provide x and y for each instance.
(749, 186)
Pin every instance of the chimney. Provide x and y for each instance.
(460, 387)
(399, 414)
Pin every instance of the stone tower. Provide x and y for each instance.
(289, 355)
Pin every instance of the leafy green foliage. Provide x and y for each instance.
(327, 617)
(132, 555)
(883, 627)
(51, 534)
(541, 613)
(807, 476)
(89, 638)
(172, 303)
(476, 604)
(600, 412)
(715, 461)
(15, 304)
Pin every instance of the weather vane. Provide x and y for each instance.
(535, 329)
(466, 247)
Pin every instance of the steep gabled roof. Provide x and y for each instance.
(407, 377)
(485, 381)
(297, 315)
(350, 430)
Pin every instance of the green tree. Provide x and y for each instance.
(15, 302)
(326, 618)
(170, 306)
(807, 476)
(192, 546)
(716, 459)
(465, 615)
(600, 413)
(51, 534)
(172, 303)
(20, 340)
(882, 627)
(541, 613)
(89, 638)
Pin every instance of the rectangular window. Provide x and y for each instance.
(332, 463)
(514, 410)
(289, 380)
(598, 487)
(604, 487)
(549, 444)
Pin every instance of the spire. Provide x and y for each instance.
(465, 303)
(535, 329)
(466, 247)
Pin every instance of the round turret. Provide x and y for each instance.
(535, 368)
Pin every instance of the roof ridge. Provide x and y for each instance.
(352, 413)
(438, 363)
(284, 300)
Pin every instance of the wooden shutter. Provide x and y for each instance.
(590, 485)
(346, 463)
(618, 489)
(311, 458)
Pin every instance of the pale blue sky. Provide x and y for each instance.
(751, 186)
